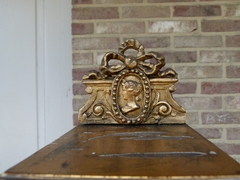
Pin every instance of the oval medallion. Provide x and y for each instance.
(131, 96)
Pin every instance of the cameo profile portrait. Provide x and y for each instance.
(130, 91)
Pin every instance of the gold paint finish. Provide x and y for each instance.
(133, 91)
(128, 152)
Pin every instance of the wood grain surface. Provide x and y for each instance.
(128, 152)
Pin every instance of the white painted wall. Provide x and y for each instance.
(35, 76)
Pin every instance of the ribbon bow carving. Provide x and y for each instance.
(131, 62)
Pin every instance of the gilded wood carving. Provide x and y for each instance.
(133, 91)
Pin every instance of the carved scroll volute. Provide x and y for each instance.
(135, 94)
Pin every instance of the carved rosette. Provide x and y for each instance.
(133, 91)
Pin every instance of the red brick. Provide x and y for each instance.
(172, 26)
(180, 57)
(145, 12)
(221, 117)
(233, 133)
(192, 118)
(210, 133)
(220, 87)
(186, 88)
(162, 1)
(112, 61)
(232, 10)
(95, 13)
(78, 73)
(168, 66)
(197, 41)
(120, 27)
(100, 56)
(229, 148)
(233, 71)
(78, 103)
(82, 28)
(198, 72)
(81, 2)
(116, 1)
(79, 89)
(75, 119)
(198, 103)
(220, 25)
(154, 42)
(219, 56)
(233, 41)
(196, 11)
(82, 58)
(95, 43)
(232, 102)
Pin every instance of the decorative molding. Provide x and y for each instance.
(133, 91)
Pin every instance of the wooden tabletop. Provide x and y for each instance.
(128, 152)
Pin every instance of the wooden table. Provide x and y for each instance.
(128, 152)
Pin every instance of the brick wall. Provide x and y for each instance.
(200, 40)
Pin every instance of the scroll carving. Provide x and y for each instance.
(133, 91)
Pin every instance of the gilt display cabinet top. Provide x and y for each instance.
(120, 136)
(128, 152)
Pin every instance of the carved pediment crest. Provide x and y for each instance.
(132, 91)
